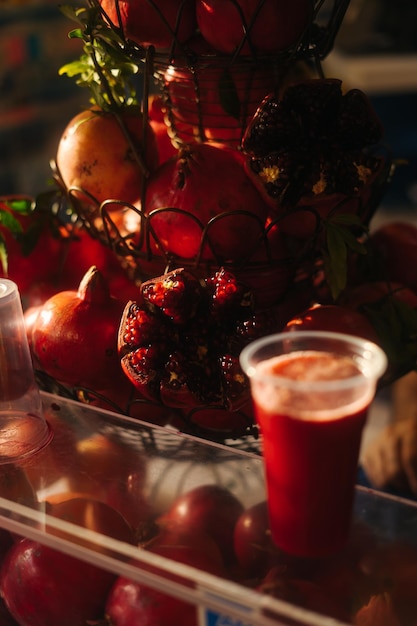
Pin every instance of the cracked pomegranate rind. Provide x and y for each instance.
(312, 142)
(180, 343)
(176, 295)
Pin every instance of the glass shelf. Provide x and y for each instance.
(170, 463)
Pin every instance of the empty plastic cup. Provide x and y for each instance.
(23, 428)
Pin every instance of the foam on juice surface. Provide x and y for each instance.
(312, 366)
(306, 402)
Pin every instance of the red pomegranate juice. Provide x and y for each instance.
(311, 441)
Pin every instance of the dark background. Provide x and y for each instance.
(36, 103)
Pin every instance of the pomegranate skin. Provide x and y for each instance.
(157, 24)
(74, 337)
(273, 25)
(94, 155)
(42, 586)
(211, 117)
(129, 603)
(202, 202)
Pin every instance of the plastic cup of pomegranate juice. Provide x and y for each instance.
(311, 392)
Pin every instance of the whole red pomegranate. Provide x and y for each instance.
(228, 95)
(74, 336)
(210, 508)
(130, 602)
(157, 24)
(394, 245)
(42, 586)
(378, 292)
(335, 318)
(252, 541)
(95, 155)
(203, 202)
(252, 25)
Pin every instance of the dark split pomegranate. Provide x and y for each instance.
(309, 151)
(179, 344)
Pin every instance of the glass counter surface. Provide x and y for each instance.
(162, 464)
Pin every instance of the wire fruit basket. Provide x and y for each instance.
(210, 97)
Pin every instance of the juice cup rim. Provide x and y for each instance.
(375, 354)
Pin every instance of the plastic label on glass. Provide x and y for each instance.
(213, 617)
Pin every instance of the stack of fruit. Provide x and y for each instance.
(234, 196)
(371, 582)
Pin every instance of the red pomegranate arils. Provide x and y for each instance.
(180, 344)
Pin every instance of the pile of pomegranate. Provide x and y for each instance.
(228, 197)
(370, 582)
(231, 199)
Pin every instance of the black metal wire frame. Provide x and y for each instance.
(316, 40)
(146, 255)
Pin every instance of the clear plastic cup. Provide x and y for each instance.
(311, 392)
(23, 428)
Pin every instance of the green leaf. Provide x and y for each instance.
(10, 222)
(74, 67)
(335, 261)
(21, 206)
(3, 255)
(27, 239)
(75, 34)
(105, 65)
(339, 240)
(352, 242)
